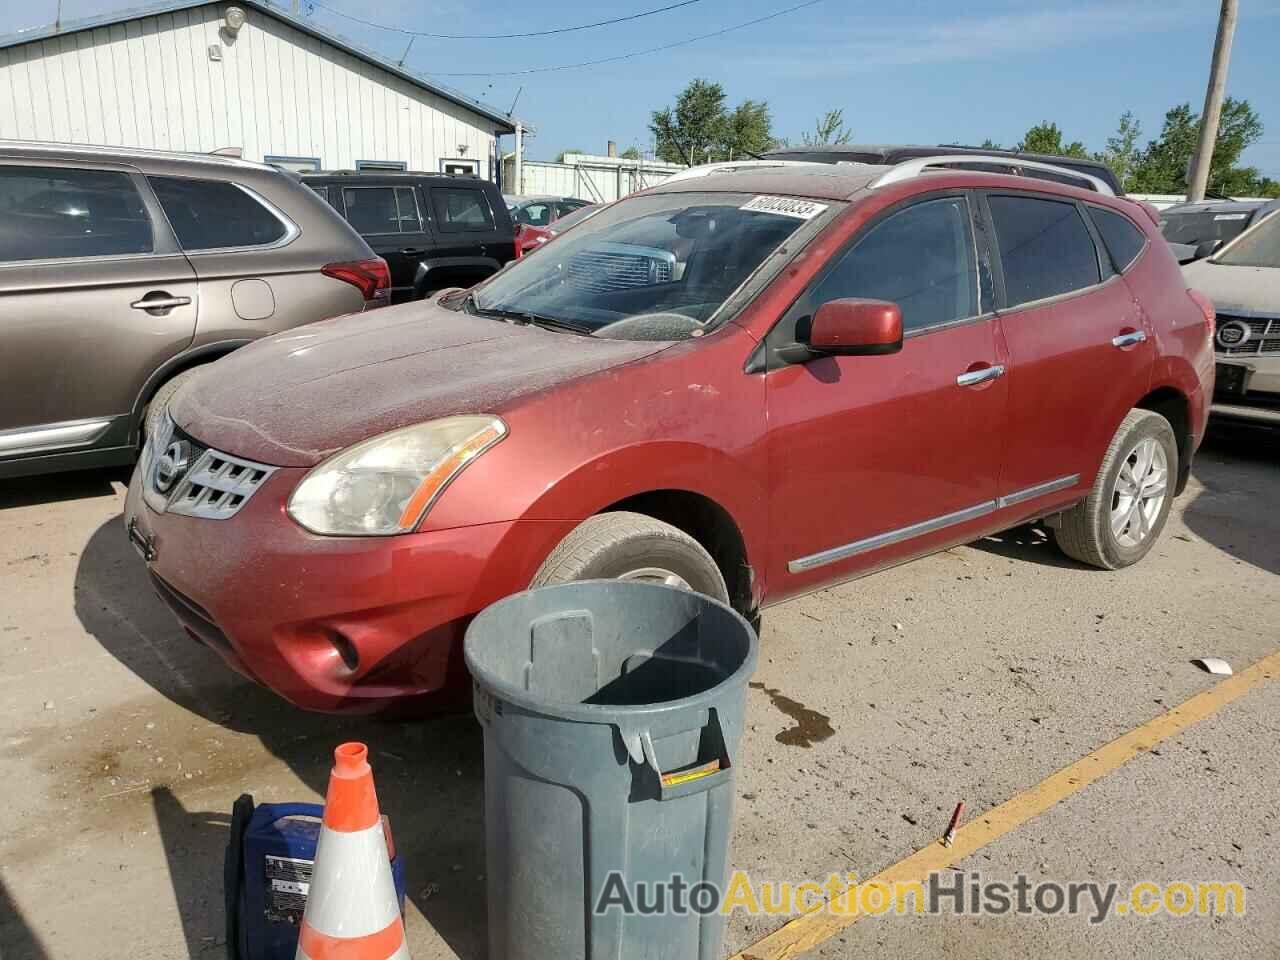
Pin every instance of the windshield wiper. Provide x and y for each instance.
(523, 317)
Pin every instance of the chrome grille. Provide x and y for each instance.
(214, 486)
(1264, 336)
(609, 267)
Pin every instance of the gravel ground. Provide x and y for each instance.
(877, 705)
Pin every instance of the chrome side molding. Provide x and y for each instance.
(54, 436)
(844, 552)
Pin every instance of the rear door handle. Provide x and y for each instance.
(974, 377)
(1129, 339)
(159, 301)
(413, 251)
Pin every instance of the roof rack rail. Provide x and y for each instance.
(918, 165)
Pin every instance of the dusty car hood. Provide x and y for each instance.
(295, 398)
(1245, 291)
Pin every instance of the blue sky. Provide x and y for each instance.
(916, 71)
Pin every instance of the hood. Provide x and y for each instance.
(1239, 291)
(295, 398)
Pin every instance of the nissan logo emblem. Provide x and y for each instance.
(1233, 333)
(172, 465)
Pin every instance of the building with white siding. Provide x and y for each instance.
(199, 76)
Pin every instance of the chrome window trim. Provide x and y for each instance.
(932, 525)
(1059, 297)
(53, 436)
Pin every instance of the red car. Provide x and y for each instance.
(752, 385)
(529, 237)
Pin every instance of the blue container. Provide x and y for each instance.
(268, 873)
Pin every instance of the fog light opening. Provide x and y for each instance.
(346, 650)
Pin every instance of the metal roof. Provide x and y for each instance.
(505, 123)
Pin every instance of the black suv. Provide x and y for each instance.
(891, 153)
(434, 231)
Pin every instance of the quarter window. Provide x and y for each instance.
(383, 210)
(1045, 248)
(1123, 240)
(216, 214)
(920, 258)
(459, 209)
(54, 213)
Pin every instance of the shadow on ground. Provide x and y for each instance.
(1239, 466)
(1030, 542)
(17, 940)
(77, 485)
(429, 773)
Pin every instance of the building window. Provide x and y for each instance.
(296, 164)
(381, 165)
(456, 167)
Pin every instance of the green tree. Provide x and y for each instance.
(829, 129)
(1047, 138)
(1163, 167)
(631, 153)
(687, 132)
(1123, 154)
(561, 155)
(700, 128)
(747, 130)
(989, 144)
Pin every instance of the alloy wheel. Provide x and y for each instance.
(1140, 491)
(656, 575)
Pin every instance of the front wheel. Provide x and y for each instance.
(632, 546)
(1118, 523)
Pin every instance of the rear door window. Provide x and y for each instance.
(1045, 248)
(382, 210)
(216, 214)
(1123, 240)
(921, 258)
(55, 213)
(460, 210)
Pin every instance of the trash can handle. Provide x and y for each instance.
(696, 781)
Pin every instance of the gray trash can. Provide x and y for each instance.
(612, 712)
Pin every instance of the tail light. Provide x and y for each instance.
(371, 277)
(1206, 307)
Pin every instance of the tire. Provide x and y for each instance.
(1088, 531)
(632, 546)
(160, 399)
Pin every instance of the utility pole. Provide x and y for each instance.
(1198, 178)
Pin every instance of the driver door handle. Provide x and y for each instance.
(1129, 339)
(974, 377)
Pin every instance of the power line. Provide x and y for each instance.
(627, 56)
(503, 36)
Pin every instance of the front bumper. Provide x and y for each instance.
(334, 624)
(1248, 388)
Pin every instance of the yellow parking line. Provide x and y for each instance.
(808, 931)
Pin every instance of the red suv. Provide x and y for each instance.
(752, 385)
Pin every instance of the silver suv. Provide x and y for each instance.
(124, 271)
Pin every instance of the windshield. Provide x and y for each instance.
(655, 266)
(1195, 227)
(1260, 247)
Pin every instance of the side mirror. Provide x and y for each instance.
(1207, 249)
(855, 328)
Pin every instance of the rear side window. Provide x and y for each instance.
(54, 213)
(383, 210)
(1045, 248)
(920, 258)
(459, 209)
(1123, 240)
(215, 214)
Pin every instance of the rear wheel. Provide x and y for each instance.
(1120, 520)
(632, 546)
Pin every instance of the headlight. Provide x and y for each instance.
(386, 485)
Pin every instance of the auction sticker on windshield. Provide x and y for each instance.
(785, 207)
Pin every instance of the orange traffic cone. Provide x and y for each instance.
(352, 913)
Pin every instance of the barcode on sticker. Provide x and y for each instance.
(785, 207)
